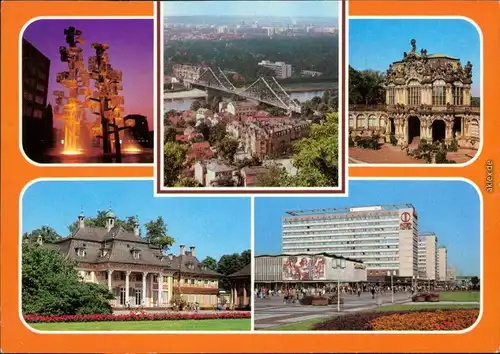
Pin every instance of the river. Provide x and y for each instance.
(184, 104)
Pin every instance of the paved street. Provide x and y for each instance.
(273, 312)
(394, 154)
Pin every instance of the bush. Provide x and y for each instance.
(178, 302)
(441, 156)
(393, 140)
(142, 316)
(420, 320)
(371, 142)
(351, 141)
(51, 285)
(453, 147)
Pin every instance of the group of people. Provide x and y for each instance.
(192, 307)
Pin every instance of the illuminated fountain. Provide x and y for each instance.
(71, 108)
(106, 100)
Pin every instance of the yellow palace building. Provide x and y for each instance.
(138, 273)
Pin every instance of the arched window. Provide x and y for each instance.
(361, 122)
(414, 93)
(372, 122)
(458, 95)
(439, 93)
(474, 128)
(392, 96)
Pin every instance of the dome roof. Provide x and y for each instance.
(110, 214)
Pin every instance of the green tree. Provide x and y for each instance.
(157, 234)
(246, 257)
(229, 263)
(49, 235)
(214, 105)
(249, 162)
(226, 149)
(475, 282)
(187, 182)
(100, 221)
(173, 162)
(276, 176)
(224, 181)
(170, 134)
(51, 285)
(316, 157)
(196, 105)
(366, 87)
(210, 263)
(204, 130)
(217, 133)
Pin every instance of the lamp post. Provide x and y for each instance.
(392, 274)
(339, 264)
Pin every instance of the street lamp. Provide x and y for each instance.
(338, 265)
(392, 274)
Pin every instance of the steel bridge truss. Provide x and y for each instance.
(267, 91)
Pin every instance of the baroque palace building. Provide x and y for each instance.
(427, 97)
(136, 272)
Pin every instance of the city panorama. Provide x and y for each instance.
(423, 108)
(251, 99)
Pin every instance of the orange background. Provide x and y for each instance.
(16, 172)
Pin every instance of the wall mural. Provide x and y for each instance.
(301, 268)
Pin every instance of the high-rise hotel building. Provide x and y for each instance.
(442, 263)
(428, 256)
(384, 237)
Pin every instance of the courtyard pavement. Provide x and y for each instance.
(394, 154)
(272, 312)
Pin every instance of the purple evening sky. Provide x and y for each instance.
(131, 50)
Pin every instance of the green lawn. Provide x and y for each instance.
(184, 325)
(309, 324)
(460, 296)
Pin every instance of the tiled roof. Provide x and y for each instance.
(119, 245)
(246, 271)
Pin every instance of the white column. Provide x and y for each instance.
(144, 277)
(244, 293)
(110, 273)
(92, 276)
(160, 289)
(127, 285)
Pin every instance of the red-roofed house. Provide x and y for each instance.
(200, 151)
(182, 138)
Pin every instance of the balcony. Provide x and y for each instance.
(367, 107)
(429, 109)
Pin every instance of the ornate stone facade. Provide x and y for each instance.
(427, 97)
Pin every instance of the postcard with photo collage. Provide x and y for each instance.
(249, 176)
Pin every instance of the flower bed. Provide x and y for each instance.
(139, 317)
(420, 320)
